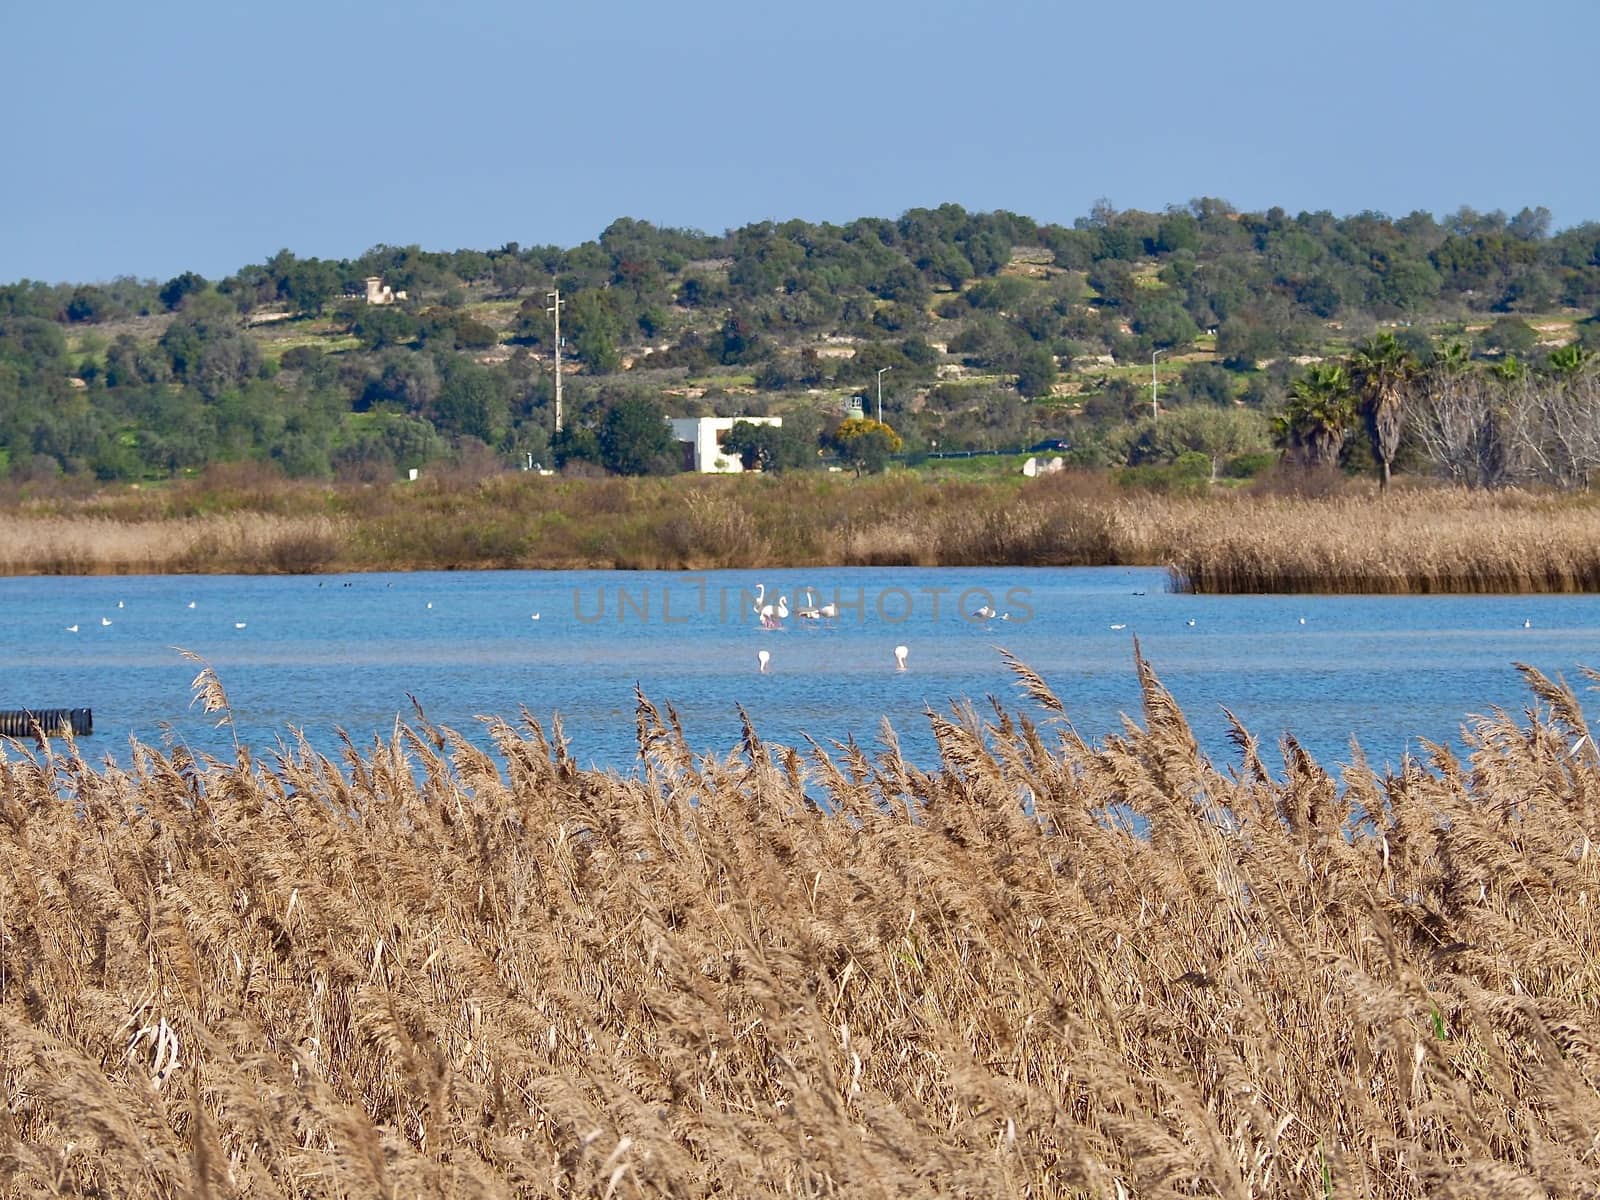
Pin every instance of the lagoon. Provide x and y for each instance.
(344, 651)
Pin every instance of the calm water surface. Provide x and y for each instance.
(344, 651)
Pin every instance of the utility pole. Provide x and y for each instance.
(555, 308)
(881, 370)
(1155, 413)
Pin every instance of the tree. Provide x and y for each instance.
(1036, 372)
(758, 446)
(1381, 373)
(1319, 414)
(1217, 433)
(635, 439)
(864, 444)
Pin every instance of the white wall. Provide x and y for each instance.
(702, 432)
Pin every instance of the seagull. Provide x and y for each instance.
(900, 653)
(1526, 623)
(430, 603)
(1124, 626)
(1190, 622)
(984, 614)
(535, 616)
(191, 604)
(72, 629)
(119, 603)
(105, 620)
(238, 624)
(763, 657)
(1302, 620)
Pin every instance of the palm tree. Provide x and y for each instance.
(1381, 371)
(1319, 414)
(1568, 361)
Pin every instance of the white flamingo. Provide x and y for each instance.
(783, 608)
(763, 657)
(900, 653)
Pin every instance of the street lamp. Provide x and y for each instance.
(881, 370)
(1155, 413)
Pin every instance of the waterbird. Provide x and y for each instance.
(191, 604)
(1527, 623)
(238, 624)
(105, 620)
(430, 603)
(1302, 620)
(119, 603)
(763, 657)
(72, 629)
(1190, 622)
(984, 613)
(900, 653)
(535, 616)
(1123, 626)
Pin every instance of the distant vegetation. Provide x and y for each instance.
(1291, 531)
(1458, 347)
(1033, 967)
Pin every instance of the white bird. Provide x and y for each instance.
(984, 614)
(72, 629)
(105, 620)
(763, 657)
(191, 604)
(1526, 623)
(900, 653)
(1190, 622)
(829, 609)
(1005, 616)
(119, 603)
(783, 608)
(1119, 627)
(430, 603)
(1302, 620)
(535, 616)
(238, 624)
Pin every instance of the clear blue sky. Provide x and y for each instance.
(148, 139)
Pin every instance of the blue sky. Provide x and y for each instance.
(148, 139)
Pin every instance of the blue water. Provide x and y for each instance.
(344, 651)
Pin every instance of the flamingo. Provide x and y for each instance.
(783, 608)
(763, 657)
(900, 653)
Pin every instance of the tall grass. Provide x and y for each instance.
(1042, 967)
(1341, 540)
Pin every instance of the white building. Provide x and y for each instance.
(700, 439)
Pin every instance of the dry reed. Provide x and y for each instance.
(1042, 968)
(1424, 540)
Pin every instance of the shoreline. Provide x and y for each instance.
(1416, 541)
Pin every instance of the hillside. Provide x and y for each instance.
(985, 331)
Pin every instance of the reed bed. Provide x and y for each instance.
(223, 543)
(1349, 540)
(1411, 542)
(1043, 967)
